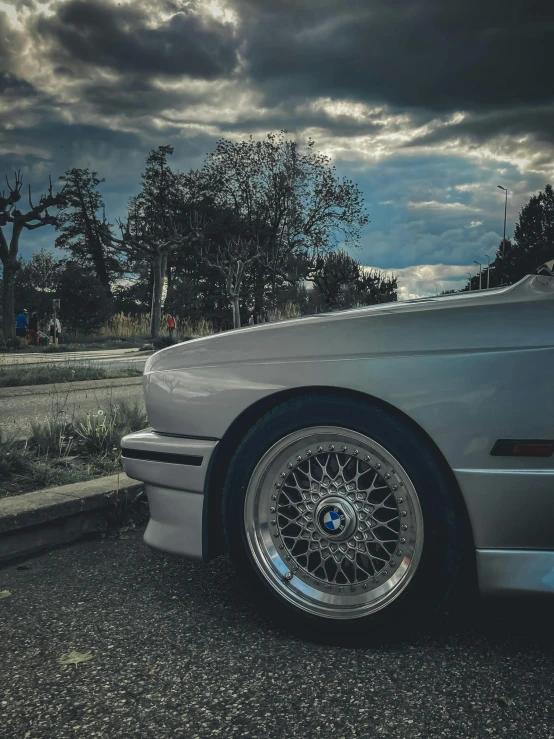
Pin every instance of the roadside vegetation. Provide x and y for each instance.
(62, 451)
(60, 372)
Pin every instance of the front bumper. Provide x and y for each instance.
(173, 470)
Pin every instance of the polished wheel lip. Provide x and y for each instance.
(275, 563)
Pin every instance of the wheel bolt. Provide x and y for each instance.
(288, 575)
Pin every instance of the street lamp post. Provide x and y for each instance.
(488, 271)
(504, 238)
(480, 273)
(469, 273)
(436, 289)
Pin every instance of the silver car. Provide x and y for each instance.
(356, 465)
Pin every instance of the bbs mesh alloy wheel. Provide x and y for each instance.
(333, 522)
(342, 514)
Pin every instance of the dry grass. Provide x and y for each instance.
(289, 310)
(122, 325)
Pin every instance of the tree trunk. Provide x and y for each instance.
(8, 300)
(156, 311)
(236, 310)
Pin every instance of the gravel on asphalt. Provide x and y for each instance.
(179, 651)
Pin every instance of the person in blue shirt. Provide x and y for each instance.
(21, 324)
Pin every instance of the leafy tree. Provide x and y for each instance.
(532, 245)
(84, 231)
(156, 225)
(10, 216)
(290, 200)
(342, 282)
(37, 281)
(533, 237)
(84, 300)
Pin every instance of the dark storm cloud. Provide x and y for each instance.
(123, 39)
(481, 127)
(11, 43)
(135, 96)
(435, 54)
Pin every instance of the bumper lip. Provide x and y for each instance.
(175, 462)
(174, 471)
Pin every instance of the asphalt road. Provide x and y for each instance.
(178, 651)
(17, 412)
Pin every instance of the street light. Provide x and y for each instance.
(504, 239)
(480, 271)
(436, 289)
(469, 273)
(488, 270)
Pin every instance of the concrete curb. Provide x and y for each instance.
(45, 518)
(67, 387)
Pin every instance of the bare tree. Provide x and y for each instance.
(10, 215)
(231, 260)
(140, 241)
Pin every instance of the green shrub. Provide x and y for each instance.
(56, 348)
(14, 458)
(100, 432)
(163, 341)
(58, 372)
(54, 437)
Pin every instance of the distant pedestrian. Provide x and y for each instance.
(33, 329)
(55, 329)
(21, 324)
(170, 325)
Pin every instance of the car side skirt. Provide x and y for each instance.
(515, 572)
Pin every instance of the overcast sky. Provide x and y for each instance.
(427, 104)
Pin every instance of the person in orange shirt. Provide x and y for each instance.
(171, 325)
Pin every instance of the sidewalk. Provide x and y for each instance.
(46, 518)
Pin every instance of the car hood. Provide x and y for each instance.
(473, 320)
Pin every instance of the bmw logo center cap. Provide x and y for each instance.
(332, 520)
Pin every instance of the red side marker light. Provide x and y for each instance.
(522, 448)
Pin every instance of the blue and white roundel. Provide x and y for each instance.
(331, 520)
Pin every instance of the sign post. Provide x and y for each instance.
(56, 306)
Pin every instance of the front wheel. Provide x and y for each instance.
(344, 517)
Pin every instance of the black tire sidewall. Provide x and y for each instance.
(444, 538)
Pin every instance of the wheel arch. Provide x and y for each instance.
(213, 536)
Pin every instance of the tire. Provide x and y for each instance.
(342, 521)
